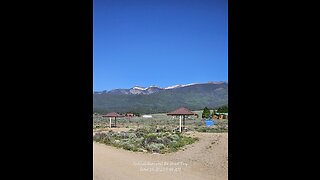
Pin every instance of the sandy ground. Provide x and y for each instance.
(205, 159)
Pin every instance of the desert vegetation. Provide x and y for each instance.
(213, 129)
(145, 140)
(158, 134)
(161, 121)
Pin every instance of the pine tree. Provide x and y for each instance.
(223, 109)
(205, 113)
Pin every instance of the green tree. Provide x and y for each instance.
(205, 113)
(223, 109)
(136, 114)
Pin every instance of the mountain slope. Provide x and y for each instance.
(193, 96)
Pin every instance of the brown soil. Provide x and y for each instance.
(205, 159)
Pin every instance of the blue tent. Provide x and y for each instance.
(209, 122)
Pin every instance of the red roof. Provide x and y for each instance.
(181, 111)
(112, 114)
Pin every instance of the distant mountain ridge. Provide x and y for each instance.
(155, 99)
(150, 89)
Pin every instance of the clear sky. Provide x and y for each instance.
(159, 42)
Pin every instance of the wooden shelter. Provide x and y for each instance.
(110, 115)
(182, 112)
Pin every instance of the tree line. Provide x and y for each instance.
(207, 114)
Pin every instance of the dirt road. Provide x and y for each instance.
(205, 159)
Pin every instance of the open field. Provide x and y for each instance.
(206, 158)
(157, 121)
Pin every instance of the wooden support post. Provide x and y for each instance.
(184, 121)
(180, 123)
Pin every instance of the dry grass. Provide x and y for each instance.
(161, 121)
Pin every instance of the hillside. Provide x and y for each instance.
(143, 100)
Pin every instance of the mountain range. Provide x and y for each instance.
(154, 99)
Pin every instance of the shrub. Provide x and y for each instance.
(145, 140)
(140, 132)
(155, 147)
(198, 123)
(163, 129)
(166, 141)
(128, 146)
(149, 138)
(174, 137)
(214, 129)
(132, 135)
(99, 137)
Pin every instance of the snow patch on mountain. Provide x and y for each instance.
(181, 85)
(173, 87)
(139, 88)
(153, 88)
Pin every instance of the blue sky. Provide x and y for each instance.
(159, 42)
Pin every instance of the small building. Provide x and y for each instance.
(220, 115)
(129, 114)
(147, 116)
